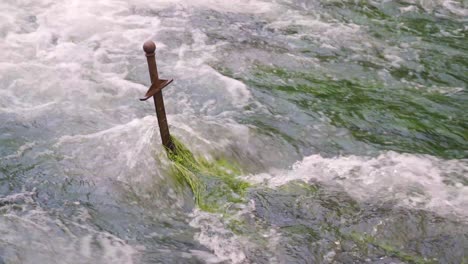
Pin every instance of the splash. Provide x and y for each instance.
(414, 181)
(31, 234)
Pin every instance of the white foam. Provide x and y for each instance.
(73, 56)
(235, 6)
(229, 247)
(32, 235)
(193, 61)
(225, 245)
(21, 150)
(454, 7)
(408, 9)
(416, 181)
(18, 197)
(333, 34)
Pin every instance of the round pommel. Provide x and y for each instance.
(149, 47)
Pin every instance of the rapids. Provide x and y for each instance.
(348, 121)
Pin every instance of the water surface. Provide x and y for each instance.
(347, 118)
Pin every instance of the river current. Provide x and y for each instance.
(348, 121)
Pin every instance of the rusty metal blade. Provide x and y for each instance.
(156, 87)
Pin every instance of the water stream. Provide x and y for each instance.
(348, 120)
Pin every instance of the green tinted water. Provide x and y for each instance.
(310, 132)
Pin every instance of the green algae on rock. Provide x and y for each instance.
(214, 183)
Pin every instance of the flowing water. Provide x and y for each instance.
(348, 120)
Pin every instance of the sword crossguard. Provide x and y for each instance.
(155, 88)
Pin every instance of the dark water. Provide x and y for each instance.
(347, 119)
